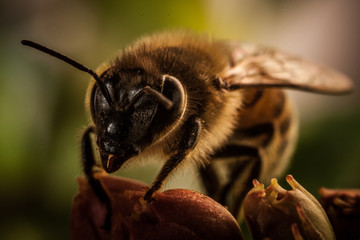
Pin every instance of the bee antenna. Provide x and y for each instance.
(73, 63)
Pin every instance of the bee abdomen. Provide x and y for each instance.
(259, 147)
(270, 125)
(264, 132)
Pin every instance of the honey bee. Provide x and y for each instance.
(182, 98)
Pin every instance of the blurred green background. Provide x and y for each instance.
(41, 98)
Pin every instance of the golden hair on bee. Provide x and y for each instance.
(186, 98)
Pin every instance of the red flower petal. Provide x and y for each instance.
(173, 214)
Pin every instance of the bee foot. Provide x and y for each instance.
(148, 197)
(107, 222)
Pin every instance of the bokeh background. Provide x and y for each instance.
(41, 98)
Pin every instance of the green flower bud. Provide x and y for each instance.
(276, 213)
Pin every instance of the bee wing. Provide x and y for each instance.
(264, 67)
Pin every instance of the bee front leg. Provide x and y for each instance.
(88, 162)
(192, 129)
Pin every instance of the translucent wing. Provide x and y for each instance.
(265, 67)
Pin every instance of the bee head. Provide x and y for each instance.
(140, 106)
(130, 108)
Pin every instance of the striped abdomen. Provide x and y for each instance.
(268, 123)
(259, 147)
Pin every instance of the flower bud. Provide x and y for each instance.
(173, 214)
(343, 209)
(276, 213)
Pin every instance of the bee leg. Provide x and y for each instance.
(88, 162)
(244, 166)
(210, 180)
(254, 165)
(192, 129)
